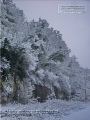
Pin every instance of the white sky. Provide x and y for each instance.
(74, 27)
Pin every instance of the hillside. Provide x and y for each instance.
(35, 61)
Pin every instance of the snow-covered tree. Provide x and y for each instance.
(35, 53)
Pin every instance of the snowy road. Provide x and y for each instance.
(79, 115)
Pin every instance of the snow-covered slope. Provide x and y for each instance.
(50, 72)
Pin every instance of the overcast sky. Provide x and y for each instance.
(74, 27)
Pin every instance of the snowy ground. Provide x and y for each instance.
(79, 115)
(50, 110)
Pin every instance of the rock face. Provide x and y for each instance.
(51, 73)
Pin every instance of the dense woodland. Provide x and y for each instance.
(35, 61)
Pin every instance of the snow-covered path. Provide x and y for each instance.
(79, 115)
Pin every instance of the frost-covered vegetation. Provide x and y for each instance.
(35, 61)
